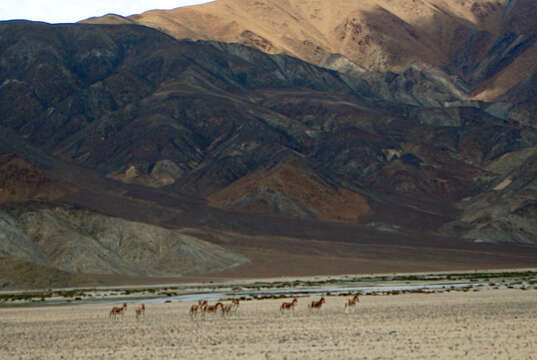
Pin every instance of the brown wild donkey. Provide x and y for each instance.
(316, 305)
(226, 309)
(140, 311)
(117, 311)
(210, 308)
(196, 308)
(350, 305)
(236, 304)
(288, 306)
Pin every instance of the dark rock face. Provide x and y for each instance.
(505, 212)
(135, 105)
(502, 53)
(520, 103)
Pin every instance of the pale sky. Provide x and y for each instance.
(61, 11)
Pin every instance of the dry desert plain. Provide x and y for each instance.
(485, 324)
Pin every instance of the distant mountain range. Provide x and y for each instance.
(289, 131)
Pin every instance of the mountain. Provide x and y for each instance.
(490, 45)
(446, 55)
(217, 148)
(143, 108)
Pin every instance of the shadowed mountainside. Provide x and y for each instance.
(238, 144)
(143, 108)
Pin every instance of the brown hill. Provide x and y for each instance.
(488, 43)
(20, 180)
(376, 34)
(289, 190)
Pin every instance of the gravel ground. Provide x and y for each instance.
(489, 324)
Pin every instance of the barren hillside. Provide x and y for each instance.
(72, 240)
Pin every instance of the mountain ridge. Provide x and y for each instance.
(375, 34)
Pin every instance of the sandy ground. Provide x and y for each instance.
(489, 324)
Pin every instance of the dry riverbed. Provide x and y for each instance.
(480, 324)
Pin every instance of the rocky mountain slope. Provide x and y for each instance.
(507, 211)
(198, 115)
(489, 44)
(78, 241)
(143, 108)
(248, 150)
